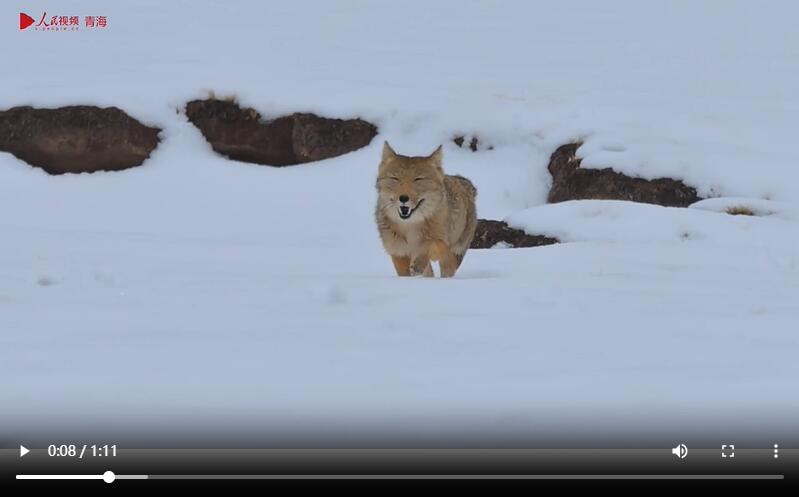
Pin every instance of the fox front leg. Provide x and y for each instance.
(401, 265)
(446, 258)
(449, 264)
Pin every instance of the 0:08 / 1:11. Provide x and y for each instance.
(79, 451)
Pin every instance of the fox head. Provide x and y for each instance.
(410, 189)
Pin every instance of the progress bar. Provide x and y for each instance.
(467, 477)
(109, 477)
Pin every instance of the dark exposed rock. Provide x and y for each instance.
(489, 233)
(242, 135)
(76, 139)
(474, 143)
(571, 182)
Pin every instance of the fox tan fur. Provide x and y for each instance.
(422, 214)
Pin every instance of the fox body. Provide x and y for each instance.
(422, 214)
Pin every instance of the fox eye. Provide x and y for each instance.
(419, 178)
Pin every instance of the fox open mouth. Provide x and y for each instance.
(405, 212)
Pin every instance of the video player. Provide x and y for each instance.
(327, 243)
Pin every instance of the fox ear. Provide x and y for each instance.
(437, 157)
(388, 152)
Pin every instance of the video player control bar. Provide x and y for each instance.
(362, 464)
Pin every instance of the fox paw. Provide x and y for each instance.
(421, 270)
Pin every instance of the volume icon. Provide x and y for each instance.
(680, 451)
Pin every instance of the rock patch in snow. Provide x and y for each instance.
(76, 139)
(242, 134)
(474, 144)
(571, 182)
(490, 233)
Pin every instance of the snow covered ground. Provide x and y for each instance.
(226, 303)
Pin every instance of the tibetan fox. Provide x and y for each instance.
(423, 214)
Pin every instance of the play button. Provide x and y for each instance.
(23, 451)
(24, 20)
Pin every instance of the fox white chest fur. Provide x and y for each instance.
(401, 240)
